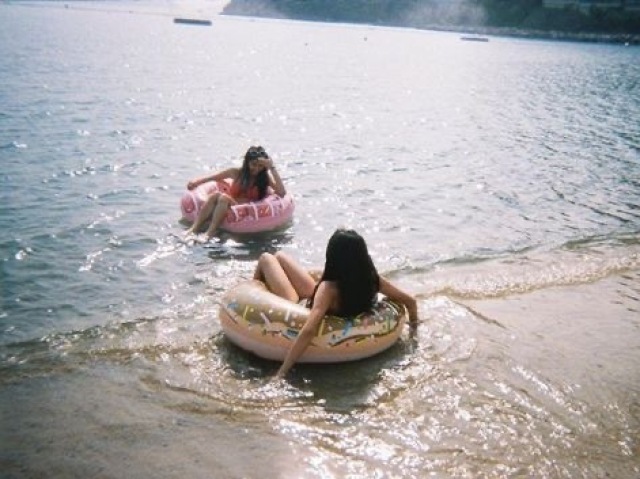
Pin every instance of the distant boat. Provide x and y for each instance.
(474, 38)
(192, 21)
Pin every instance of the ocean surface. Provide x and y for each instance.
(497, 181)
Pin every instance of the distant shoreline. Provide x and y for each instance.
(227, 8)
(509, 32)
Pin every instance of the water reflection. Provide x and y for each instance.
(248, 247)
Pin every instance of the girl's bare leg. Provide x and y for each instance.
(219, 212)
(270, 271)
(299, 277)
(204, 213)
(284, 277)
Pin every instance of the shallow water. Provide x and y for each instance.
(497, 181)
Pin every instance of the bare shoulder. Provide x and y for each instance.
(232, 172)
(327, 297)
(327, 288)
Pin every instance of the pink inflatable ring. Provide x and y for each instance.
(270, 213)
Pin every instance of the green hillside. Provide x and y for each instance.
(489, 16)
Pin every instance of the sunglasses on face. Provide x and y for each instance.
(257, 153)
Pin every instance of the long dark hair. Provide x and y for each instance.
(262, 178)
(348, 264)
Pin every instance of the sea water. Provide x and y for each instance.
(499, 182)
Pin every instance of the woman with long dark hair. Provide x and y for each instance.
(348, 286)
(251, 182)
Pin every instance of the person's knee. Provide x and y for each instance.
(213, 197)
(224, 200)
(265, 258)
(286, 261)
(281, 256)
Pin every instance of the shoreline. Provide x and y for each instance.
(626, 39)
(225, 8)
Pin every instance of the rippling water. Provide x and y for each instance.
(499, 182)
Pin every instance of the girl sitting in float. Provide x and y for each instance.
(252, 182)
(349, 286)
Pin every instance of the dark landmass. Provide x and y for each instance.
(515, 18)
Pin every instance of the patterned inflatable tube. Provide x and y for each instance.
(266, 325)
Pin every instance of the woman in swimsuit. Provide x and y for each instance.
(349, 285)
(251, 182)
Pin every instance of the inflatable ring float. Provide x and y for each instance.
(270, 213)
(266, 325)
